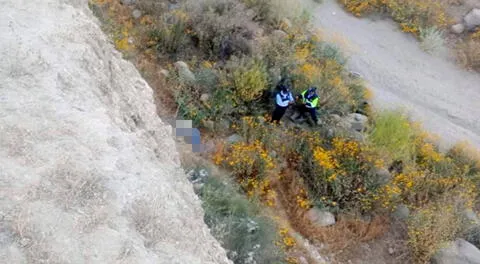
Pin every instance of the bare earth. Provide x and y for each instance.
(88, 172)
(433, 90)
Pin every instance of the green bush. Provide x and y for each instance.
(249, 80)
(393, 134)
(237, 224)
(169, 34)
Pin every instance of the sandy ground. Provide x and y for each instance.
(88, 172)
(433, 90)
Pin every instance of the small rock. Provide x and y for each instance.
(401, 212)
(24, 242)
(279, 34)
(203, 173)
(128, 2)
(302, 260)
(458, 28)
(173, 6)
(457, 252)
(273, 154)
(209, 124)
(321, 218)
(358, 122)
(197, 187)
(131, 40)
(204, 97)
(383, 176)
(223, 125)
(164, 72)
(391, 251)
(471, 216)
(184, 72)
(136, 14)
(472, 19)
(234, 138)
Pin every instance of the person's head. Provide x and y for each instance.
(285, 88)
(312, 91)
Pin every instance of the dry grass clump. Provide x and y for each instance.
(430, 227)
(468, 54)
(74, 188)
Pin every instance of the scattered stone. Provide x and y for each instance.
(472, 19)
(204, 97)
(252, 226)
(165, 73)
(136, 14)
(279, 34)
(234, 139)
(302, 260)
(383, 176)
(223, 125)
(209, 124)
(273, 154)
(197, 187)
(391, 251)
(458, 28)
(471, 217)
(321, 218)
(401, 212)
(184, 72)
(128, 2)
(203, 173)
(457, 252)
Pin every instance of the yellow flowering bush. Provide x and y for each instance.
(412, 15)
(340, 173)
(249, 80)
(248, 160)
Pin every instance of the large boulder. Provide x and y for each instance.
(472, 19)
(321, 218)
(457, 252)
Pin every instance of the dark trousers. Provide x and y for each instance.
(278, 113)
(304, 109)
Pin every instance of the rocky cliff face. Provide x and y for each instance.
(88, 172)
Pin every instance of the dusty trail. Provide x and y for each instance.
(433, 90)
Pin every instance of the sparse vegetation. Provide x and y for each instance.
(238, 224)
(237, 51)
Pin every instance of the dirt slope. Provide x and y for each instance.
(434, 90)
(88, 172)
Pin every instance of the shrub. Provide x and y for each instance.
(340, 174)
(430, 227)
(223, 28)
(247, 78)
(411, 14)
(468, 54)
(274, 11)
(238, 225)
(432, 40)
(169, 34)
(393, 134)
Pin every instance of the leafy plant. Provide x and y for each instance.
(236, 222)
